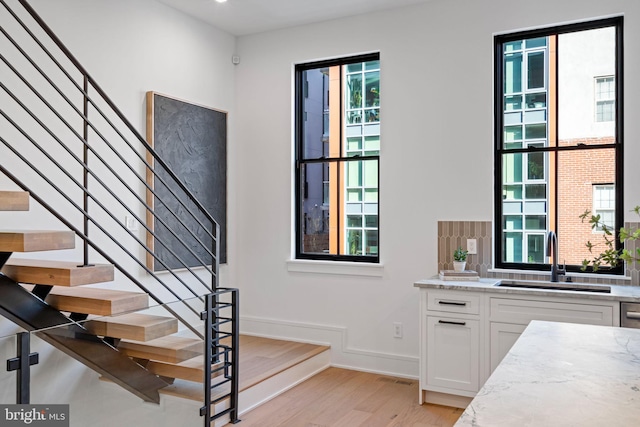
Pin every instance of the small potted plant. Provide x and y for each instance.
(459, 259)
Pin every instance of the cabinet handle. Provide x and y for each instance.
(462, 304)
(448, 322)
(633, 315)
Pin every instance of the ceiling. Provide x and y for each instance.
(243, 17)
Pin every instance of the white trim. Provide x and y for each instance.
(337, 337)
(335, 267)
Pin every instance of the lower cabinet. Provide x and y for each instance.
(465, 334)
(453, 346)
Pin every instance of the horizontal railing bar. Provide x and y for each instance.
(90, 124)
(110, 103)
(45, 153)
(81, 162)
(107, 165)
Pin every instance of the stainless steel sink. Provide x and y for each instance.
(557, 286)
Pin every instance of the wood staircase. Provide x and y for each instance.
(113, 316)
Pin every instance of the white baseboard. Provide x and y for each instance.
(342, 354)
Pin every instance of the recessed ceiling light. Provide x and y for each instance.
(221, 1)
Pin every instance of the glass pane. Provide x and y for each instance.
(372, 143)
(372, 115)
(354, 144)
(512, 73)
(536, 222)
(535, 116)
(535, 248)
(512, 118)
(354, 195)
(371, 221)
(511, 192)
(354, 220)
(535, 166)
(536, 191)
(512, 222)
(372, 65)
(513, 102)
(354, 208)
(536, 100)
(354, 242)
(354, 174)
(351, 68)
(354, 117)
(535, 70)
(533, 43)
(512, 168)
(535, 131)
(371, 173)
(372, 89)
(371, 208)
(354, 91)
(511, 207)
(512, 133)
(582, 171)
(535, 207)
(510, 47)
(585, 59)
(371, 242)
(371, 195)
(512, 247)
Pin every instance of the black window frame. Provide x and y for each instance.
(300, 160)
(499, 41)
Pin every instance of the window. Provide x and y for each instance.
(605, 99)
(337, 159)
(604, 205)
(551, 154)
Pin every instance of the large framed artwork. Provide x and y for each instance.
(192, 141)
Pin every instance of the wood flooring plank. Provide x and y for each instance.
(343, 398)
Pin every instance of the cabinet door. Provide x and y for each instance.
(503, 337)
(453, 353)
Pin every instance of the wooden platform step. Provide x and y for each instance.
(172, 349)
(103, 302)
(190, 370)
(56, 273)
(35, 240)
(14, 201)
(133, 326)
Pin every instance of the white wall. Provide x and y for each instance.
(437, 135)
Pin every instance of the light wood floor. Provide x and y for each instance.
(339, 397)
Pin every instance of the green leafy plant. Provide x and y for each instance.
(610, 256)
(460, 254)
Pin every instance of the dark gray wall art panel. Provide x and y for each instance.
(192, 140)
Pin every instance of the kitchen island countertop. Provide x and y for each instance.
(561, 374)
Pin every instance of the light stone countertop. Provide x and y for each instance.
(561, 374)
(618, 293)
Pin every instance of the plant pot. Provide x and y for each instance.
(459, 266)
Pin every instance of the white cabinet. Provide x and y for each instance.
(453, 347)
(464, 335)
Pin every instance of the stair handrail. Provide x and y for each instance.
(88, 81)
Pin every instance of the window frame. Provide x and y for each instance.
(300, 161)
(499, 140)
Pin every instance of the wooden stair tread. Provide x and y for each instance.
(103, 302)
(172, 348)
(190, 369)
(133, 326)
(14, 200)
(35, 240)
(56, 273)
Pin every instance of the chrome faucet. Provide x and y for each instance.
(552, 251)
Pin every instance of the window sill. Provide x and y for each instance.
(335, 267)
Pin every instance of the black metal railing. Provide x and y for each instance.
(64, 140)
(222, 331)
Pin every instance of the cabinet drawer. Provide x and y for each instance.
(523, 311)
(453, 302)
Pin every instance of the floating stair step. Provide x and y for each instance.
(14, 201)
(190, 370)
(35, 240)
(56, 273)
(172, 349)
(133, 326)
(103, 302)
